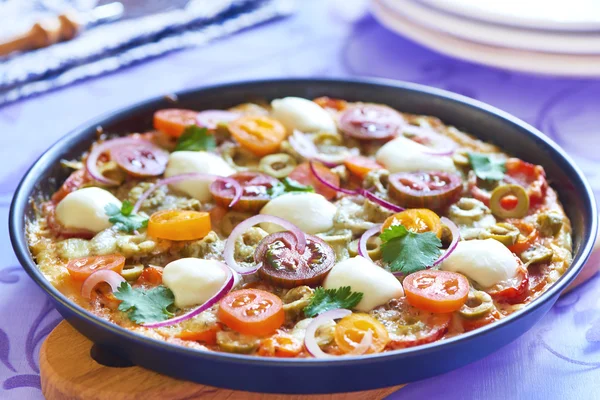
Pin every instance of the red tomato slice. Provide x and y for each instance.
(81, 268)
(433, 190)
(173, 121)
(512, 291)
(75, 181)
(151, 276)
(408, 326)
(304, 175)
(537, 277)
(141, 160)
(255, 187)
(361, 166)
(252, 312)
(371, 121)
(328, 102)
(529, 235)
(531, 177)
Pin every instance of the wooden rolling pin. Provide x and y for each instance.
(61, 28)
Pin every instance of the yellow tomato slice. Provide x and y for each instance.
(179, 225)
(259, 134)
(350, 330)
(417, 220)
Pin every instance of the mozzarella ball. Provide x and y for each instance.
(84, 209)
(193, 281)
(310, 212)
(487, 262)
(377, 285)
(405, 155)
(185, 162)
(302, 114)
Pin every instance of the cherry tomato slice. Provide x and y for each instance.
(328, 102)
(208, 335)
(179, 225)
(255, 187)
(472, 324)
(531, 177)
(303, 174)
(529, 235)
(436, 291)
(151, 276)
(252, 312)
(409, 326)
(512, 291)
(350, 330)
(259, 134)
(280, 345)
(75, 181)
(81, 268)
(371, 121)
(433, 190)
(173, 121)
(283, 266)
(418, 220)
(361, 166)
(538, 274)
(141, 160)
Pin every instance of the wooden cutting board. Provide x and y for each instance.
(68, 372)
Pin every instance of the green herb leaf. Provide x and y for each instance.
(195, 138)
(123, 218)
(143, 305)
(486, 167)
(407, 251)
(289, 185)
(330, 299)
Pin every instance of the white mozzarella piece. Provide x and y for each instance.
(302, 114)
(487, 262)
(377, 285)
(405, 155)
(84, 209)
(193, 281)
(185, 162)
(310, 212)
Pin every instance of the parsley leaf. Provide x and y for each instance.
(195, 138)
(486, 167)
(143, 305)
(289, 185)
(123, 218)
(330, 299)
(407, 251)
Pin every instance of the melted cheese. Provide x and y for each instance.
(376, 284)
(193, 281)
(487, 262)
(183, 162)
(405, 155)
(302, 114)
(310, 212)
(84, 209)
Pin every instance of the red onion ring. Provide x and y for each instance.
(310, 341)
(203, 307)
(455, 239)
(184, 177)
(103, 275)
(307, 149)
(331, 185)
(91, 164)
(383, 203)
(448, 144)
(362, 242)
(229, 250)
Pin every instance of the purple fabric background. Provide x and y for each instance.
(318, 42)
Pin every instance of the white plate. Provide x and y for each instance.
(520, 60)
(498, 35)
(563, 15)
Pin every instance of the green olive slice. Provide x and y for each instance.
(505, 233)
(519, 211)
(478, 304)
(373, 248)
(131, 273)
(537, 255)
(277, 165)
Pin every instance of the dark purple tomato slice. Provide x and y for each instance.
(210, 119)
(141, 160)
(256, 188)
(433, 190)
(371, 121)
(283, 266)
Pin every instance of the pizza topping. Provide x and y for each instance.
(302, 114)
(436, 291)
(86, 209)
(433, 190)
(517, 205)
(124, 219)
(405, 155)
(330, 299)
(371, 121)
(251, 312)
(195, 138)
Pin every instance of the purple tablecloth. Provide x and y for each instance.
(317, 42)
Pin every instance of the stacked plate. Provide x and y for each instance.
(538, 36)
